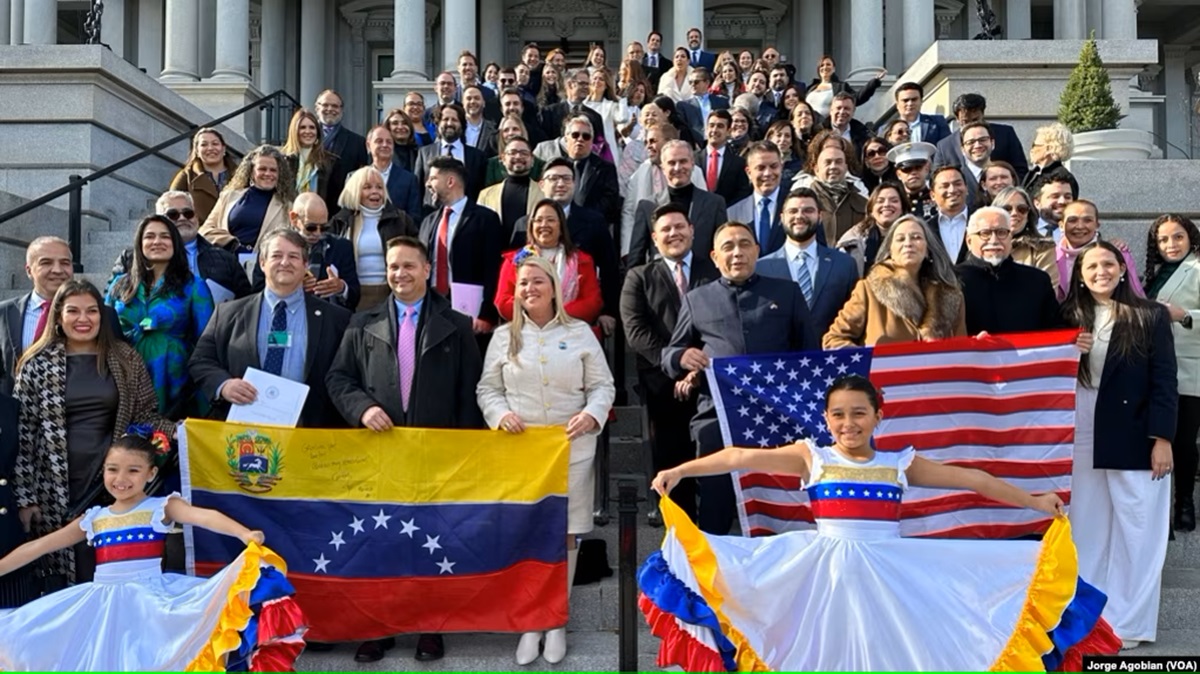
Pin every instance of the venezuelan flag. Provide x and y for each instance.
(412, 530)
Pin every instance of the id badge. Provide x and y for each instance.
(279, 339)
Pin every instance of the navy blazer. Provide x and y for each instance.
(692, 115)
(475, 251)
(837, 275)
(707, 60)
(404, 191)
(1137, 400)
(933, 128)
(1008, 148)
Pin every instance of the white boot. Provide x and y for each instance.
(556, 639)
(527, 647)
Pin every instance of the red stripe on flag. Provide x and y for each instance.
(781, 511)
(769, 480)
(357, 609)
(119, 552)
(1034, 402)
(1018, 469)
(937, 438)
(985, 374)
(957, 501)
(1016, 340)
(992, 530)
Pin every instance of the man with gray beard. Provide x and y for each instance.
(1001, 294)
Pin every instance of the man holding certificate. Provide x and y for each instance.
(278, 335)
(412, 361)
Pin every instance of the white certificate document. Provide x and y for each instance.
(466, 298)
(279, 401)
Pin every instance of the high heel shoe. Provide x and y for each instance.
(527, 647)
(556, 645)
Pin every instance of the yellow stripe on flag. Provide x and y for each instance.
(404, 465)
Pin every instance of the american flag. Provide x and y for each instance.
(1003, 404)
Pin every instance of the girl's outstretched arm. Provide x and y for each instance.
(788, 460)
(181, 511)
(27, 552)
(926, 473)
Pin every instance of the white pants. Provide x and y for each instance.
(1120, 521)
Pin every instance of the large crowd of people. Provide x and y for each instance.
(464, 264)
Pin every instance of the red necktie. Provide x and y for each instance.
(41, 324)
(442, 282)
(711, 175)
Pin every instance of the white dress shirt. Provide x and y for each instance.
(687, 267)
(954, 233)
(456, 210)
(806, 254)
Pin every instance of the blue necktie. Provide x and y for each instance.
(274, 361)
(764, 224)
(805, 280)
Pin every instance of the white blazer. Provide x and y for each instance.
(1183, 290)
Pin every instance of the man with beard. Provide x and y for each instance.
(1002, 295)
(1080, 228)
(826, 276)
(1051, 194)
(479, 133)
(468, 75)
(842, 206)
(650, 302)
(449, 143)
(697, 57)
(950, 220)
(912, 168)
(513, 101)
(349, 147)
(705, 210)
(764, 168)
(649, 179)
(766, 112)
(515, 196)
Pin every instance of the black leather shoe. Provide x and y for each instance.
(1185, 517)
(430, 647)
(373, 651)
(318, 646)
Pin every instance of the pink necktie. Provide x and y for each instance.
(680, 281)
(406, 354)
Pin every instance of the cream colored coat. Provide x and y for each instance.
(559, 372)
(216, 227)
(1183, 290)
(492, 198)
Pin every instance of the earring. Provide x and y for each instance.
(1122, 278)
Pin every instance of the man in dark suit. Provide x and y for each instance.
(977, 147)
(655, 62)
(241, 335)
(650, 302)
(596, 184)
(411, 361)
(724, 170)
(705, 210)
(949, 191)
(588, 231)
(479, 133)
(332, 269)
(468, 76)
(971, 108)
(445, 91)
(764, 168)
(464, 239)
(826, 276)
(922, 128)
(349, 147)
(742, 313)
(694, 111)
(48, 264)
(220, 268)
(697, 57)
(451, 122)
(841, 121)
(513, 101)
(554, 117)
(404, 191)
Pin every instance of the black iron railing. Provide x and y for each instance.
(278, 108)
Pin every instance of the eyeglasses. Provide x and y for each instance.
(877, 153)
(565, 178)
(1000, 234)
(580, 135)
(174, 214)
(517, 153)
(312, 227)
(977, 141)
(1017, 208)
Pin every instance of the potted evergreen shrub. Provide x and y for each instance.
(1088, 109)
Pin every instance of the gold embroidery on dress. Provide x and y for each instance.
(141, 518)
(874, 474)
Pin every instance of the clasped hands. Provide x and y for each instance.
(577, 426)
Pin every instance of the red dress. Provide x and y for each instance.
(585, 306)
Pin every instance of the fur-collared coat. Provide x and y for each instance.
(885, 307)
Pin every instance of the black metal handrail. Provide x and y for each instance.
(75, 183)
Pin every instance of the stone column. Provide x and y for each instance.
(232, 61)
(1120, 20)
(409, 59)
(919, 28)
(273, 47)
(150, 36)
(182, 52)
(5, 22)
(1070, 19)
(637, 20)
(491, 34)
(16, 22)
(811, 36)
(41, 22)
(1018, 20)
(1178, 102)
(866, 49)
(458, 31)
(312, 52)
(689, 14)
(112, 27)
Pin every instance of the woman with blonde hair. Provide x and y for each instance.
(1052, 145)
(548, 369)
(208, 167)
(368, 220)
(549, 93)
(910, 294)
(602, 98)
(307, 157)
(255, 201)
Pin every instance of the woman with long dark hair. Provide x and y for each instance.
(1126, 404)
(887, 203)
(163, 310)
(876, 169)
(1173, 279)
(404, 138)
(208, 167)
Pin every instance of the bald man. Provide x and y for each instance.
(332, 272)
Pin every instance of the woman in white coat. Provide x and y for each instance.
(547, 369)
(1173, 278)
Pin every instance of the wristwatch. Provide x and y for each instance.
(1186, 322)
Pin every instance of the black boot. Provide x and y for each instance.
(1185, 515)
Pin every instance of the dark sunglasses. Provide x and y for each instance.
(581, 135)
(317, 227)
(1019, 208)
(174, 213)
(877, 153)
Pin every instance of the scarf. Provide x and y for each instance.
(371, 213)
(1065, 256)
(1160, 279)
(306, 173)
(567, 267)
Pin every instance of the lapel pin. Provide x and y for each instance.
(774, 306)
(317, 312)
